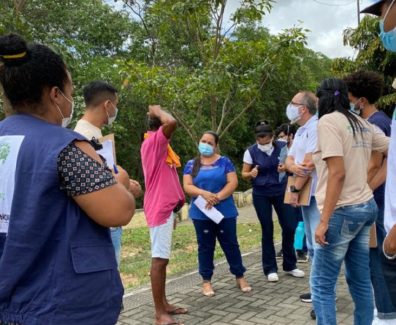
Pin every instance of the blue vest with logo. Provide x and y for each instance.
(267, 181)
(57, 266)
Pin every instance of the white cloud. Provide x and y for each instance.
(325, 22)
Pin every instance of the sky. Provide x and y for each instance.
(326, 20)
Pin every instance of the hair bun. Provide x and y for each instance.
(13, 50)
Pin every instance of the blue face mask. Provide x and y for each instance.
(354, 109)
(205, 149)
(388, 38)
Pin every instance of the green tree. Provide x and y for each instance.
(227, 70)
(371, 56)
(211, 71)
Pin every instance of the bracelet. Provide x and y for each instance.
(387, 256)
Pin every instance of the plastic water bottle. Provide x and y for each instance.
(299, 236)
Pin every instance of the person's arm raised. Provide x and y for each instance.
(169, 123)
(112, 206)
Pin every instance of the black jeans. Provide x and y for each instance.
(288, 223)
(389, 272)
(226, 232)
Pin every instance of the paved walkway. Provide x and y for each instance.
(268, 303)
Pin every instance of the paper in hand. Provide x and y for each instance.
(107, 153)
(213, 214)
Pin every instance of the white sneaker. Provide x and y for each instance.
(296, 273)
(273, 277)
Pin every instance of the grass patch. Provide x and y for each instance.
(136, 258)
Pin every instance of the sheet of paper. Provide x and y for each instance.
(107, 153)
(212, 213)
(112, 139)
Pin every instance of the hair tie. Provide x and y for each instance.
(336, 93)
(14, 56)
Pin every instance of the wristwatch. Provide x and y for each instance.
(293, 189)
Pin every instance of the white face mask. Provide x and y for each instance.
(111, 119)
(292, 113)
(265, 147)
(66, 120)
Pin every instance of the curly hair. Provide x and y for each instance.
(367, 84)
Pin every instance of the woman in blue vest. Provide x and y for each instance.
(260, 165)
(213, 177)
(58, 198)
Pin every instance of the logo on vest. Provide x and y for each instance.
(4, 152)
(4, 222)
(4, 217)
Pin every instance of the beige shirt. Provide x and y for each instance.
(335, 139)
(88, 130)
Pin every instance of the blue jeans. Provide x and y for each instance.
(383, 302)
(116, 234)
(311, 217)
(348, 238)
(226, 232)
(288, 223)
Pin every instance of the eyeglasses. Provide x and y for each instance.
(297, 104)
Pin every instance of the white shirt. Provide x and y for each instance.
(88, 130)
(247, 157)
(390, 189)
(305, 142)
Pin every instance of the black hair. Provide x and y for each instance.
(286, 128)
(333, 96)
(263, 127)
(98, 91)
(27, 70)
(197, 160)
(153, 123)
(368, 84)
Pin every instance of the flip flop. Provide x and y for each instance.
(178, 311)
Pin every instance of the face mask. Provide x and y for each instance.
(388, 38)
(66, 120)
(292, 113)
(265, 147)
(282, 140)
(354, 108)
(111, 119)
(205, 149)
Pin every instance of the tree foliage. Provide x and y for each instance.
(212, 68)
(371, 56)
